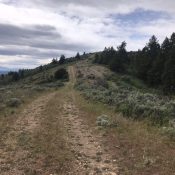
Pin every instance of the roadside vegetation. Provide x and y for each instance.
(140, 143)
(127, 95)
(154, 64)
(138, 148)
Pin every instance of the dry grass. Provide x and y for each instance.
(139, 149)
(44, 150)
(50, 139)
(9, 115)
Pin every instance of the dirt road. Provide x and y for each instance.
(91, 157)
(89, 154)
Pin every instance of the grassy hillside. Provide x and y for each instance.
(124, 93)
(140, 137)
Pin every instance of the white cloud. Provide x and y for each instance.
(84, 25)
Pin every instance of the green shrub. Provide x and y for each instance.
(14, 102)
(38, 88)
(91, 76)
(170, 132)
(54, 84)
(61, 74)
(105, 121)
(2, 107)
(132, 103)
(129, 100)
(125, 109)
(101, 82)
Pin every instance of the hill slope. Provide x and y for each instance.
(65, 130)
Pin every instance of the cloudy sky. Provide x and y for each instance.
(32, 32)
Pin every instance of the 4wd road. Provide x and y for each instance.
(88, 156)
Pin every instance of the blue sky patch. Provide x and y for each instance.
(140, 16)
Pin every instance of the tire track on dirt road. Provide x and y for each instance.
(91, 157)
(14, 158)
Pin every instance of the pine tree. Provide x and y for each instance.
(62, 59)
(153, 47)
(107, 55)
(172, 41)
(147, 58)
(97, 58)
(77, 56)
(119, 59)
(142, 63)
(168, 77)
(166, 46)
(54, 61)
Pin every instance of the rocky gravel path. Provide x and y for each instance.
(91, 157)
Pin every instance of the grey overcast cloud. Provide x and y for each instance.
(33, 32)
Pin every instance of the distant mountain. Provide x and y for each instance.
(4, 70)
